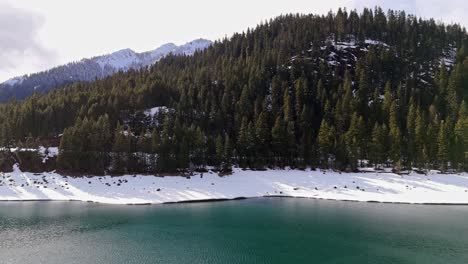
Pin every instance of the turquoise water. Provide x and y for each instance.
(273, 230)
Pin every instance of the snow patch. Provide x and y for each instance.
(15, 81)
(191, 47)
(120, 60)
(47, 153)
(139, 189)
(376, 42)
(156, 110)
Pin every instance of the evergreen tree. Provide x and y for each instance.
(121, 149)
(395, 135)
(420, 139)
(355, 140)
(262, 133)
(443, 146)
(219, 151)
(379, 144)
(325, 140)
(279, 141)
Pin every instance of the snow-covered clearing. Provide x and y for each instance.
(139, 189)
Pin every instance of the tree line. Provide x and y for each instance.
(271, 97)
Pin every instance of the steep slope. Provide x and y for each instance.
(343, 55)
(301, 90)
(91, 69)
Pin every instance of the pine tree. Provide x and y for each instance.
(441, 81)
(431, 138)
(348, 105)
(220, 158)
(395, 135)
(443, 146)
(387, 101)
(287, 107)
(461, 137)
(379, 144)
(242, 142)
(420, 139)
(362, 93)
(301, 87)
(262, 133)
(121, 149)
(198, 153)
(461, 142)
(227, 152)
(410, 132)
(279, 140)
(276, 91)
(325, 141)
(291, 142)
(354, 139)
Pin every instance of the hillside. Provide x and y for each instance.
(334, 91)
(91, 69)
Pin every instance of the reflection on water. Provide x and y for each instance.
(270, 230)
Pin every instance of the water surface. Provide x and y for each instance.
(267, 230)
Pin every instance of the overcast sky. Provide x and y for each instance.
(36, 35)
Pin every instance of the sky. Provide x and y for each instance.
(37, 35)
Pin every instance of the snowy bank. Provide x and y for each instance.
(138, 189)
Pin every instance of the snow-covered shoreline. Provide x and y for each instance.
(140, 189)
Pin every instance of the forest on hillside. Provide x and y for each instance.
(328, 91)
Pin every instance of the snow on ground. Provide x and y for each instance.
(156, 110)
(376, 42)
(139, 189)
(47, 153)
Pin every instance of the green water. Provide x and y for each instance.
(271, 230)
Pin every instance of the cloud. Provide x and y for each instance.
(19, 39)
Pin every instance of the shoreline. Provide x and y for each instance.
(371, 187)
(234, 199)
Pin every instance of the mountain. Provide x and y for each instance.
(93, 68)
(385, 89)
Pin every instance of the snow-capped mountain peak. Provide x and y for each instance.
(191, 47)
(164, 49)
(96, 67)
(15, 80)
(120, 60)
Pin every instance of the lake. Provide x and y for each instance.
(264, 230)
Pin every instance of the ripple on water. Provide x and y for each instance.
(255, 231)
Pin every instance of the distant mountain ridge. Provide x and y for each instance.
(89, 69)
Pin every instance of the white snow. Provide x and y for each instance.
(375, 42)
(139, 189)
(191, 47)
(127, 59)
(347, 49)
(352, 43)
(156, 110)
(345, 44)
(120, 60)
(15, 80)
(47, 153)
(449, 57)
(162, 51)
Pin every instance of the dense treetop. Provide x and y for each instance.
(299, 90)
